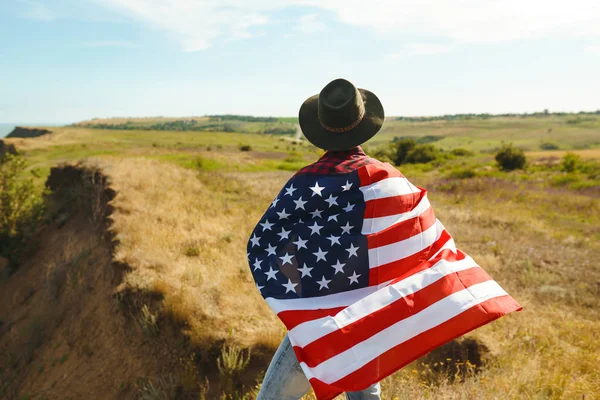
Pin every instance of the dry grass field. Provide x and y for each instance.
(183, 213)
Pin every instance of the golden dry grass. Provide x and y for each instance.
(186, 237)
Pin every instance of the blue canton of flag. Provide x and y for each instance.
(309, 241)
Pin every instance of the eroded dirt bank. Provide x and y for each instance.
(65, 332)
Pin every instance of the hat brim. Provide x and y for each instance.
(308, 118)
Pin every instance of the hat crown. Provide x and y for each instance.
(340, 105)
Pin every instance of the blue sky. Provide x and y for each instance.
(68, 60)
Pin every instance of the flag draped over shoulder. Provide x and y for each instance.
(364, 276)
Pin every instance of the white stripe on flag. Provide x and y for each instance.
(342, 299)
(357, 356)
(374, 225)
(388, 187)
(310, 331)
(396, 251)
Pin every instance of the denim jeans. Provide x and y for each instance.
(285, 380)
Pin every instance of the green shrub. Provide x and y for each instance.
(245, 147)
(570, 162)
(385, 154)
(564, 179)
(21, 207)
(592, 169)
(460, 152)
(422, 153)
(510, 158)
(462, 173)
(400, 150)
(231, 364)
(549, 146)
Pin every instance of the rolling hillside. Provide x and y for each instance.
(142, 262)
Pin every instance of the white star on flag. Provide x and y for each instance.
(266, 225)
(287, 259)
(331, 201)
(339, 267)
(334, 240)
(333, 217)
(300, 203)
(283, 214)
(305, 271)
(316, 228)
(352, 250)
(349, 207)
(354, 278)
(274, 203)
(257, 264)
(284, 234)
(316, 214)
(323, 283)
(289, 286)
(254, 239)
(346, 228)
(321, 255)
(260, 288)
(317, 189)
(301, 243)
(290, 191)
(271, 274)
(346, 187)
(270, 250)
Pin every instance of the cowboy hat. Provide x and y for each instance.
(341, 116)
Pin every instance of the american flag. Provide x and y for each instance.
(364, 276)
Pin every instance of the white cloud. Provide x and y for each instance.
(194, 23)
(427, 48)
(197, 23)
(37, 11)
(481, 21)
(108, 43)
(310, 23)
(593, 49)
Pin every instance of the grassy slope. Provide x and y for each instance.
(184, 231)
(481, 135)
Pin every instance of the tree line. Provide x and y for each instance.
(483, 116)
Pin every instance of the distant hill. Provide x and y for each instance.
(25, 132)
(210, 123)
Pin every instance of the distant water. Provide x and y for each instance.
(5, 129)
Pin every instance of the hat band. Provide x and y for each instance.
(353, 125)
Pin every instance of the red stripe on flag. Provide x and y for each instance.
(393, 205)
(345, 338)
(408, 265)
(403, 230)
(372, 173)
(405, 353)
(292, 318)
